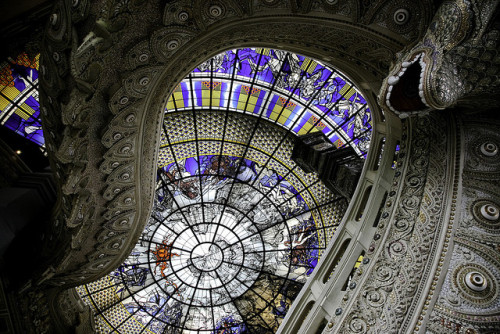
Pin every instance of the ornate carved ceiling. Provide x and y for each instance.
(108, 67)
(105, 76)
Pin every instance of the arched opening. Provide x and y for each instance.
(237, 225)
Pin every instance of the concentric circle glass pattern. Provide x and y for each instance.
(237, 227)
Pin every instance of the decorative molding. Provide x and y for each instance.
(389, 291)
(96, 115)
(467, 298)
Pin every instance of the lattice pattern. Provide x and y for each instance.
(165, 157)
(180, 127)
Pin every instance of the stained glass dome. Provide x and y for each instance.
(237, 227)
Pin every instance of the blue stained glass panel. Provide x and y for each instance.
(19, 106)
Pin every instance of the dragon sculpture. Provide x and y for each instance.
(456, 61)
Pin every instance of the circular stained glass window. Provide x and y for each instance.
(237, 227)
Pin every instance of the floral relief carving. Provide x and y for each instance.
(410, 243)
(454, 61)
(468, 300)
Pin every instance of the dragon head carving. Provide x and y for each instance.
(458, 58)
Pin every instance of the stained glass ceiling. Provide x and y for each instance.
(19, 107)
(292, 91)
(320, 100)
(237, 227)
